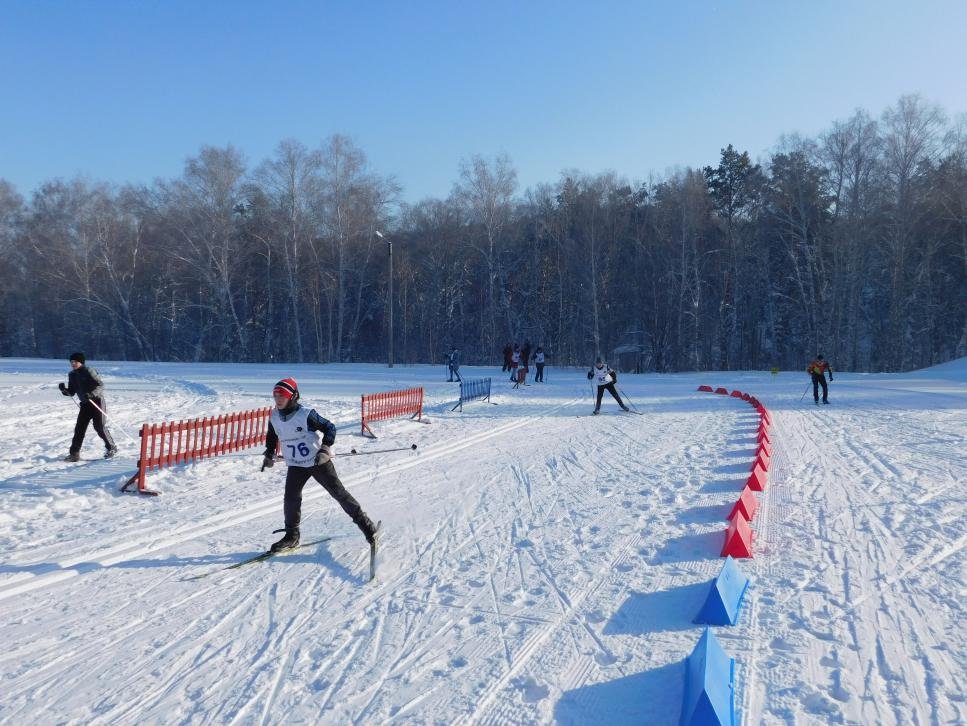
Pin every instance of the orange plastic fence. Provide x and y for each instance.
(179, 442)
(390, 404)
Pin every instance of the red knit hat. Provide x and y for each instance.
(287, 387)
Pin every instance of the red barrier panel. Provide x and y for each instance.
(762, 436)
(747, 504)
(738, 538)
(170, 443)
(746, 396)
(766, 417)
(707, 389)
(754, 401)
(761, 460)
(722, 391)
(391, 404)
(757, 479)
(736, 394)
(765, 447)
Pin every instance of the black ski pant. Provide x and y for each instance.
(454, 371)
(610, 389)
(86, 414)
(325, 474)
(539, 377)
(817, 382)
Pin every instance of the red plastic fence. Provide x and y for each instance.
(179, 442)
(391, 404)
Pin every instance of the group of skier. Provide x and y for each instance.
(517, 360)
(306, 438)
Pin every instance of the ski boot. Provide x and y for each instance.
(289, 540)
(109, 454)
(72, 457)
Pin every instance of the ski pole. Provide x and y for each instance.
(804, 393)
(353, 452)
(104, 414)
(626, 398)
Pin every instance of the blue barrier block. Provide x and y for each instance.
(724, 596)
(709, 685)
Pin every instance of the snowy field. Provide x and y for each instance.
(539, 565)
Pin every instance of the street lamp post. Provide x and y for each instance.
(389, 244)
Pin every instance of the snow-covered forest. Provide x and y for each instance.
(853, 242)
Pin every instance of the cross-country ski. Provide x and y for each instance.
(374, 550)
(262, 557)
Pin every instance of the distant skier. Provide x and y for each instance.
(817, 369)
(306, 440)
(605, 379)
(453, 365)
(508, 355)
(525, 357)
(514, 362)
(87, 385)
(539, 362)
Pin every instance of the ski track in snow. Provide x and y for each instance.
(535, 567)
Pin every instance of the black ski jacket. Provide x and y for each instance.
(85, 382)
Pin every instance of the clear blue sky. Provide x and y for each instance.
(126, 91)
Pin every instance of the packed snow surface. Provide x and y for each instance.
(538, 564)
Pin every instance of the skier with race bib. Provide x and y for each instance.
(306, 438)
(605, 378)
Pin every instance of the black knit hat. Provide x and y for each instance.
(79, 357)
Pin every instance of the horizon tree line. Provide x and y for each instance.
(853, 244)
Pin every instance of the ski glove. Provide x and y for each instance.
(324, 456)
(63, 388)
(590, 375)
(268, 462)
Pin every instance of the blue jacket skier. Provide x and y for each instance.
(453, 364)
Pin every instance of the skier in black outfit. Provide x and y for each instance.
(87, 385)
(306, 440)
(605, 378)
